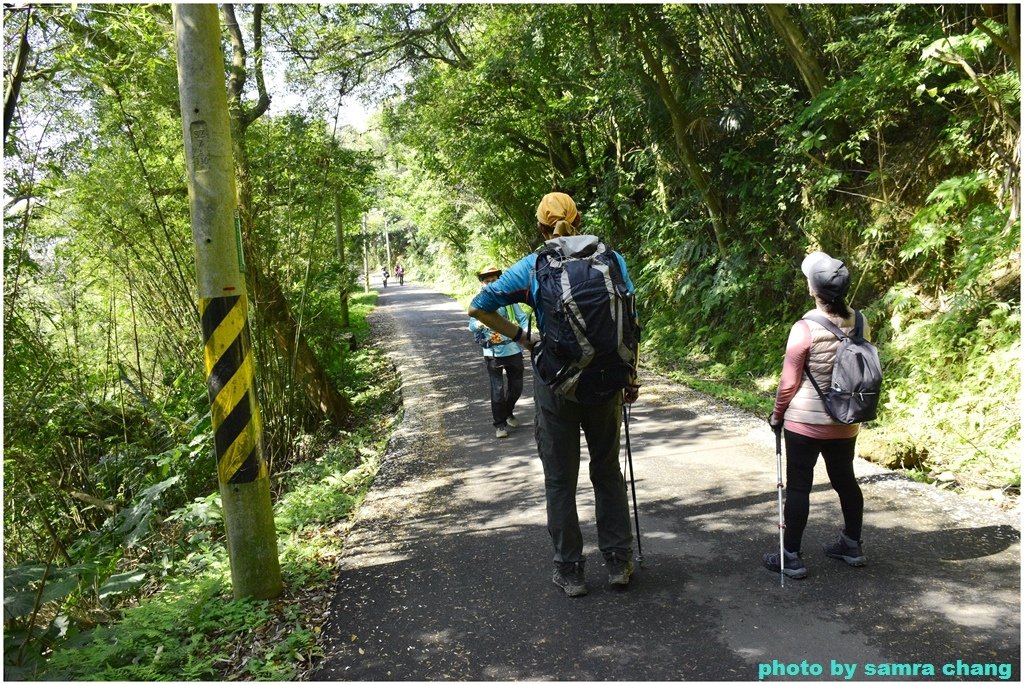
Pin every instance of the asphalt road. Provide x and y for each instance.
(447, 573)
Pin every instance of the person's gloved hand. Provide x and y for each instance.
(630, 393)
(775, 423)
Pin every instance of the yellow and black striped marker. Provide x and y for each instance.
(229, 381)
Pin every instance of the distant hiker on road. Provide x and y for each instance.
(504, 359)
(384, 275)
(568, 396)
(400, 272)
(809, 430)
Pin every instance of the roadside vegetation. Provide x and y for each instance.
(156, 604)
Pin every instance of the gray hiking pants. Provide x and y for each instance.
(558, 424)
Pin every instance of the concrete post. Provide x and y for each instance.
(223, 305)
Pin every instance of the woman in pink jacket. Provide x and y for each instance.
(809, 430)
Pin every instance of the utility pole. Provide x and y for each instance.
(339, 237)
(223, 305)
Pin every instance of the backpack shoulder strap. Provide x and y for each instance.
(858, 324)
(613, 261)
(828, 325)
(529, 291)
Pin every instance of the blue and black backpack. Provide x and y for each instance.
(589, 346)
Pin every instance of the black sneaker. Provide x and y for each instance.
(846, 549)
(569, 577)
(619, 570)
(794, 567)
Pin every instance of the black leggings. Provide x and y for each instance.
(801, 455)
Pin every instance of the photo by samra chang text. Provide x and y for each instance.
(851, 671)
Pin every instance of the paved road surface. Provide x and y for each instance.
(447, 569)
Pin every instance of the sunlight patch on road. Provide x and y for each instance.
(991, 614)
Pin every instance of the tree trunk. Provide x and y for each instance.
(688, 156)
(268, 296)
(272, 306)
(1008, 15)
(318, 388)
(366, 259)
(18, 77)
(339, 235)
(797, 47)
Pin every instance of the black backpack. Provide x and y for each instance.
(856, 384)
(589, 347)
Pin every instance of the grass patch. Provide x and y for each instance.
(754, 394)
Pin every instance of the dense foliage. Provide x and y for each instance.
(187, 626)
(698, 141)
(714, 145)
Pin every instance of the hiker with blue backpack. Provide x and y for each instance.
(504, 360)
(585, 366)
(829, 384)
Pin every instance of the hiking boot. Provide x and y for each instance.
(619, 571)
(794, 567)
(846, 549)
(569, 577)
(512, 421)
(501, 432)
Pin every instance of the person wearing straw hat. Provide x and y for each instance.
(504, 360)
(809, 430)
(560, 419)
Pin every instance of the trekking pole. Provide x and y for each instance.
(782, 522)
(632, 483)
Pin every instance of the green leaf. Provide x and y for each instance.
(121, 583)
(18, 604)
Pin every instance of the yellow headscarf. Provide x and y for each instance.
(555, 207)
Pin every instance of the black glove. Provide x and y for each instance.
(776, 424)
